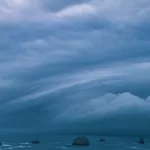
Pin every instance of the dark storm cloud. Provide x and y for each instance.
(60, 61)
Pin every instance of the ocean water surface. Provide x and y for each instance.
(60, 142)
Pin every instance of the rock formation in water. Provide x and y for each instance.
(141, 140)
(102, 140)
(81, 141)
(35, 142)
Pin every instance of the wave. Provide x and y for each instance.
(6, 145)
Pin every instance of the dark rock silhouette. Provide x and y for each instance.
(35, 142)
(1, 144)
(81, 141)
(102, 140)
(141, 141)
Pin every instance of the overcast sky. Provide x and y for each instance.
(67, 64)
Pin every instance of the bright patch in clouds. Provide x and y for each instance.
(77, 10)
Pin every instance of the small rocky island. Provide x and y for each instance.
(102, 140)
(81, 141)
(141, 141)
(35, 142)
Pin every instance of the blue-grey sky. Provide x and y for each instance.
(75, 66)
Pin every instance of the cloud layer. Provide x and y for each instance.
(67, 64)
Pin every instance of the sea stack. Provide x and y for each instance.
(35, 142)
(81, 141)
(102, 140)
(141, 141)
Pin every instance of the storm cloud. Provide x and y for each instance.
(67, 64)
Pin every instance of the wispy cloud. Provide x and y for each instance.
(118, 10)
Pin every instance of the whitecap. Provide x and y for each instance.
(19, 147)
(135, 147)
(62, 147)
(6, 145)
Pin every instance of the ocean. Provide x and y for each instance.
(63, 142)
